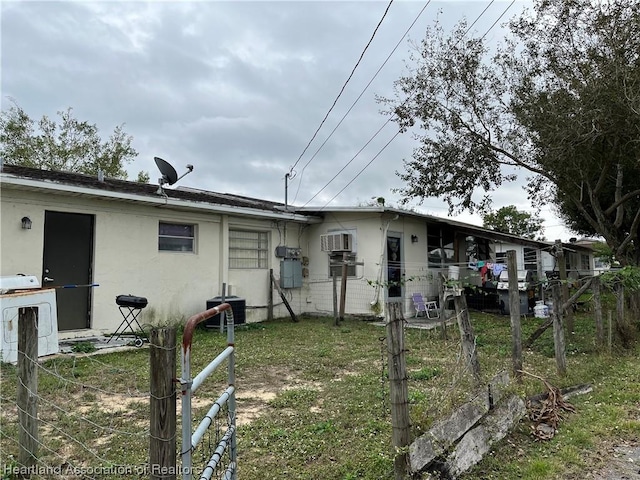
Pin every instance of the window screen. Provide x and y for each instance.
(176, 237)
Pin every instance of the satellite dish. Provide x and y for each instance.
(169, 174)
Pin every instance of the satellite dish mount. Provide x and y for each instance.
(169, 174)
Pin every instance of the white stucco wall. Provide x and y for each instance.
(17, 244)
(371, 230)
(177, 285)
(126, 259)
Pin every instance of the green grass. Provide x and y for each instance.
(313, 400)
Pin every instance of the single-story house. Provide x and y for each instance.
(179, 246)
(396, 252)
(175, 247)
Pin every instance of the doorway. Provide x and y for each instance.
(67, 266)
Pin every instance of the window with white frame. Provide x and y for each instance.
(335, 264)
(248, 249)
(176, 237)
(335, 258)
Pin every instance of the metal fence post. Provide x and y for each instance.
(186, 382)
(232, 398)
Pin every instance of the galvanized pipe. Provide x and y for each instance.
(186, 384)
(230, 474)
(208, 419)
(232, 399)
(209, 369)
(217, 455)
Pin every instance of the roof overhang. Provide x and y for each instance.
(464, 227)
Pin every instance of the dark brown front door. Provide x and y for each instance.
(394, 267)
(68, 247)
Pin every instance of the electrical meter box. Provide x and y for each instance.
(290, 273)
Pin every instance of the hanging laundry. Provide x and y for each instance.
(483, 274)
(498, 268)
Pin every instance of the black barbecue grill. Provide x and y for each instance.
(525, 291)
(130, 307)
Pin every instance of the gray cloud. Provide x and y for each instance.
(235, 88)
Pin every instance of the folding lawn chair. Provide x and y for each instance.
(429, 308)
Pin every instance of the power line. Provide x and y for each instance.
(349, 162)
(391, 117)
(498, 19)
(363, 169)
(356, 101)
(343, 87)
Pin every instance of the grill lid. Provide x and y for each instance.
(131, 301)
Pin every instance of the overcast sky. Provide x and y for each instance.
(238, 88)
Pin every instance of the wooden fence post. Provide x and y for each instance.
(597, 311)
(620, 320)
(514, 310)
(558, 332)
(283, 297)
(399, 390)
(162, 438)
(343, 284)
(28, 386)
(610, 336)
(336, 319)
(467, 336)
(442, 300)
(562, 267)
(270, 300)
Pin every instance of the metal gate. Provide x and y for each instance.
(190, 440)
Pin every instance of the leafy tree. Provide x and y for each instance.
(510, 220)
(559, 102)
(143, 177)
(70, 145)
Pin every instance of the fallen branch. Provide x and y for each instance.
(575, 296)
(539, 331)
(547, 411)
(548, 322)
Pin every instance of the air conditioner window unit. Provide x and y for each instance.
(336, 242)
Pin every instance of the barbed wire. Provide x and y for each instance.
(84, 385)
(61, 418)
(47, 467)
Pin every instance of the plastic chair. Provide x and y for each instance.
(430, 308)
(418, 304)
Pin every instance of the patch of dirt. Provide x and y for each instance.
(623, 463)
(111, 404)
(617, 461)
(251, 404)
